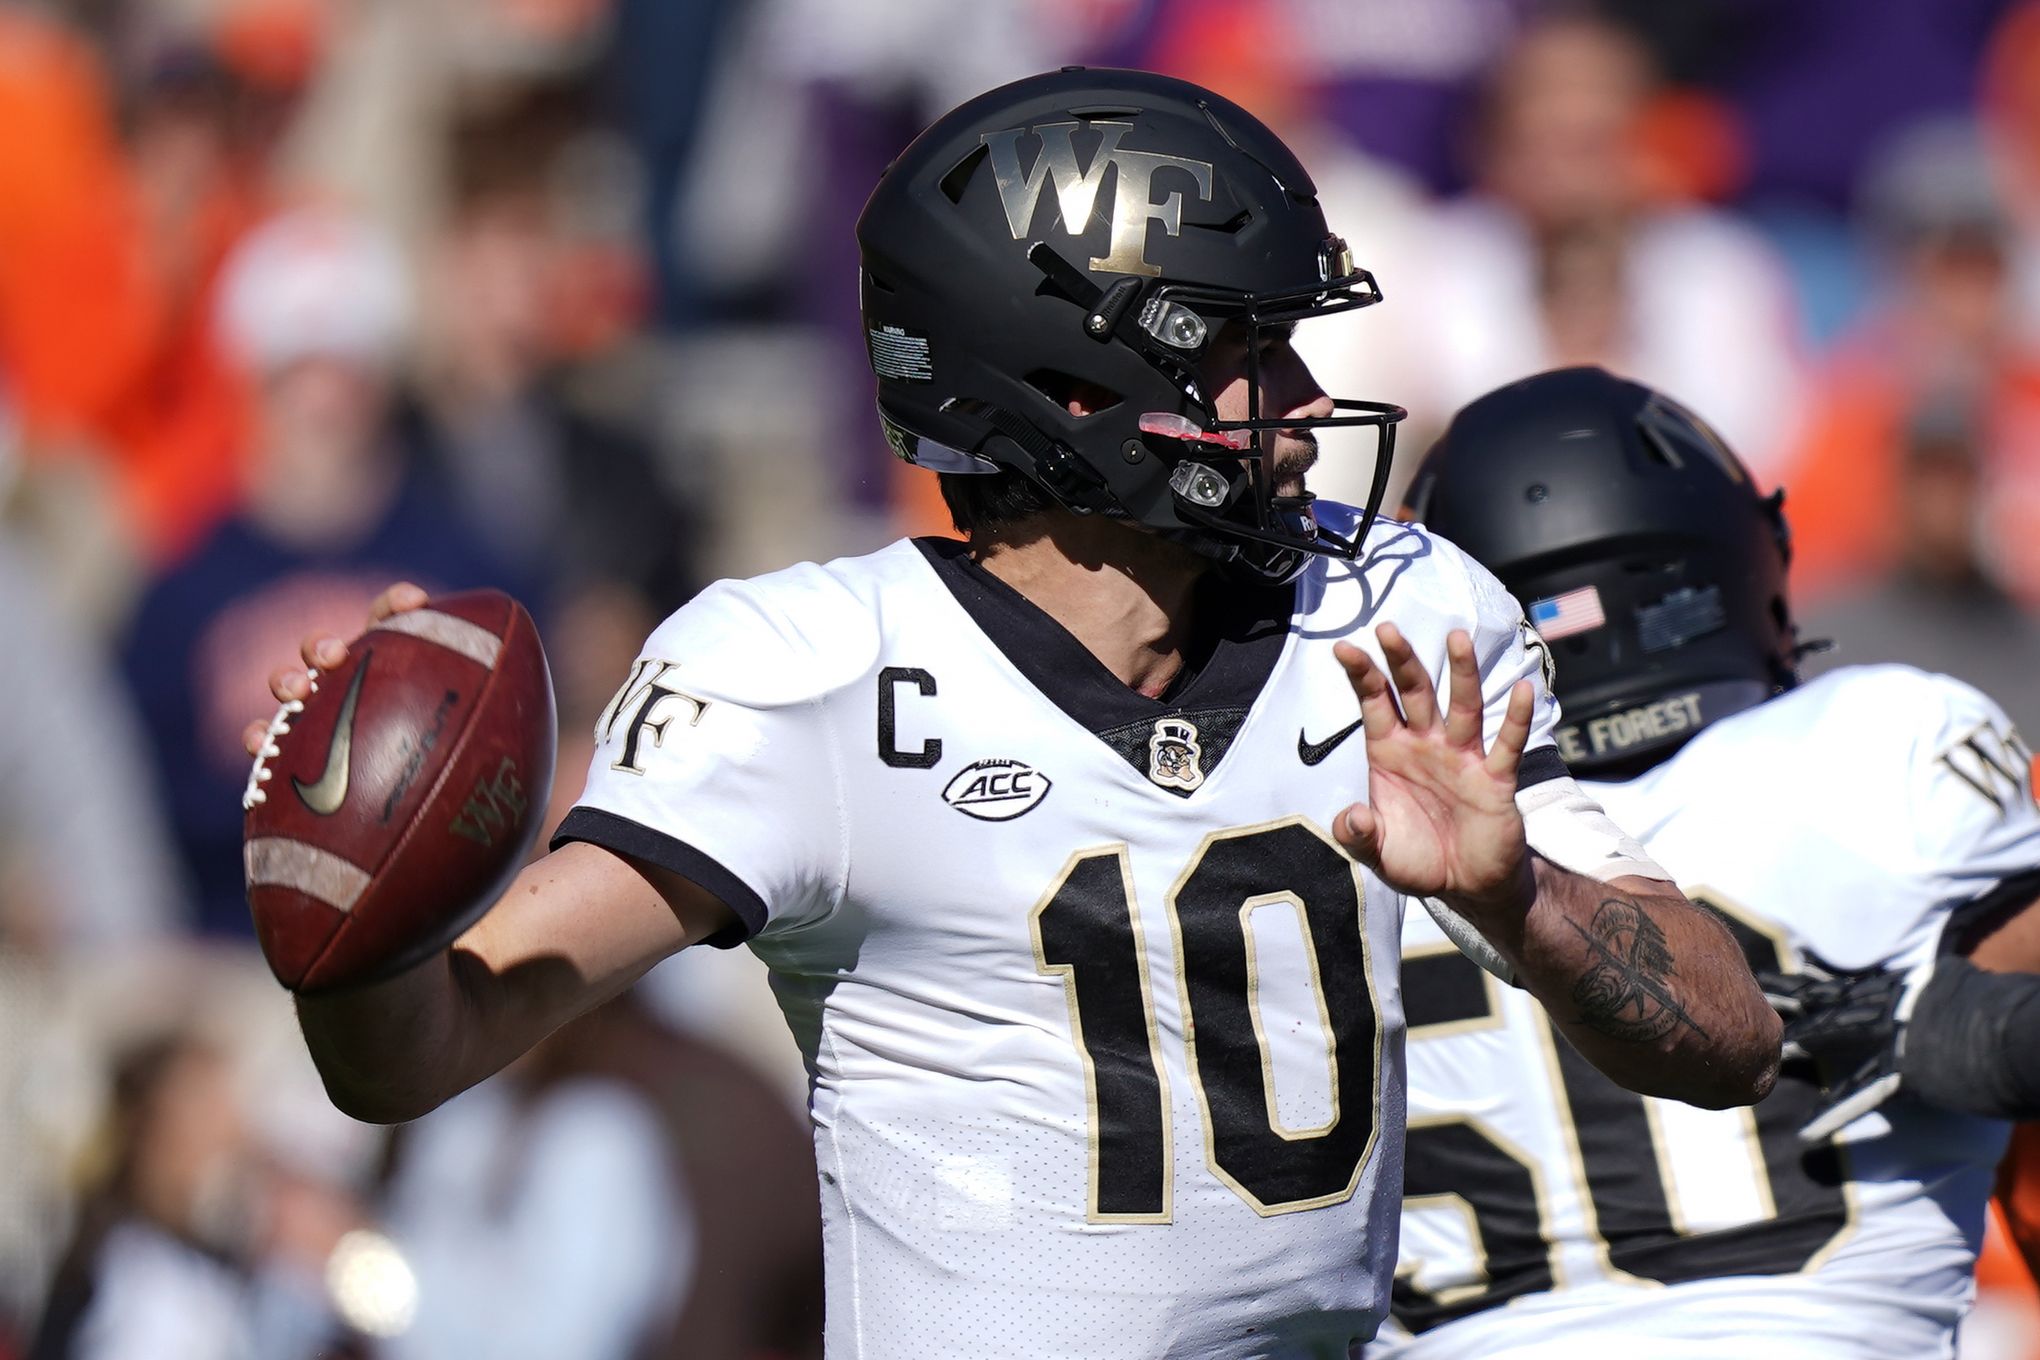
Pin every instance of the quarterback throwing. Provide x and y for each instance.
(1079, 849)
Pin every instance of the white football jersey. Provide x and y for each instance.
(1549, 1213)
(1103, 1029)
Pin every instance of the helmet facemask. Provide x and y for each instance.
(1220, 470)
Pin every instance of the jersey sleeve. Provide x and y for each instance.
(1976, 825)
(1561, 821)
(1509, 650)
(714, 761)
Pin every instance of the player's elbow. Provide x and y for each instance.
(378, 1102)
(370, 1107)
(376, 1107)
(1742, 1066)
(380, 1086)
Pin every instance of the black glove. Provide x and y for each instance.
(1848, 1022)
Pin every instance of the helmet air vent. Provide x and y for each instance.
(958, 178)
(1065, 390)
(1231, 226)
(1658, 446)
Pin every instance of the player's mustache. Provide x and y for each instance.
(1297, 456)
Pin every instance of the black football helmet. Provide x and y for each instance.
(1089, 231)
(1641, 549)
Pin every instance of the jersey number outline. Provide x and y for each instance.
(1087, 931)
(1630, 1205)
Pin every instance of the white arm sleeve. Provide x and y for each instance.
(714, 760)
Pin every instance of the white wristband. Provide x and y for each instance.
(1568, 827)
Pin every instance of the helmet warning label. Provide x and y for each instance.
(1680, 617)
(900, 354)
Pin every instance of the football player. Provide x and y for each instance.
(1050, 837)
(1872, 819)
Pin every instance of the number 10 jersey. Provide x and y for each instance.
(1103, 1029)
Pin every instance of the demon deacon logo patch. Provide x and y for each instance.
(1174, 756)
(996, 790)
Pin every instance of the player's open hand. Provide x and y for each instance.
(1440, 818)
(322, 651)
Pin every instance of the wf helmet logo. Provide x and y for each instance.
(1076, 190)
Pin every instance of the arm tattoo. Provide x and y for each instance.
(1625, 992)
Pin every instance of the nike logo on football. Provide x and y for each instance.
(325, 796)
(1312, 752)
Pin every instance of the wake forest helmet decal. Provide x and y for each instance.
(1174, 755)
(1652, 567)
(1076, 191)
(1089, 233)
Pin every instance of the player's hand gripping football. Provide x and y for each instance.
(1440, 819)
(322, 651)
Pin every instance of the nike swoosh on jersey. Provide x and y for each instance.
(325, 796)
(1311, 752)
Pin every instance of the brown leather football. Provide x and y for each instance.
(393, 806)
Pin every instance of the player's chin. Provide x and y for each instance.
(1295, 455)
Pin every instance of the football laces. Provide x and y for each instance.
(254, 795)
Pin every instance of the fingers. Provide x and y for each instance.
(1357, 829)
(288, 683)
(1377, 703)
(1412, 681)
(398, 599)
(322, 651)
(1515, 730)
(1463, 715)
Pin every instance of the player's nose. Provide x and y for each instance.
(1313, 406)
(1299, 396)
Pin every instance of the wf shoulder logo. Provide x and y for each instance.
(1997, 763)
(996, 790)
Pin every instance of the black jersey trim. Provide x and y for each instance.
(1970, 923)
(1245, 630)
(635, 840)
(1540, 765)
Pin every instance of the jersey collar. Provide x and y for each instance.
(1241, 638)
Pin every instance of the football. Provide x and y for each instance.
(392, 806)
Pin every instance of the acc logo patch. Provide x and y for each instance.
(996, 790)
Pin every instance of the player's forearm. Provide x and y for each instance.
(398, 1049)
(1651, 988)
(575, 929)
(387, 1051)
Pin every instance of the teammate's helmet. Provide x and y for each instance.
(1641, 549)
(1087, 232)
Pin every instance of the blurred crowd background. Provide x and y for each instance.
(298, 297)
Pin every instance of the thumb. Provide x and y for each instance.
(1359, 831)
